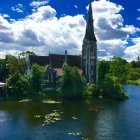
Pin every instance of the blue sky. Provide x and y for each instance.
(56, 25)
(68, 7)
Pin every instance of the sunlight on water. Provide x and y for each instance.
(90, 119)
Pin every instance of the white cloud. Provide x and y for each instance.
(43, 13)
(133, 51)
(39, 3)
(42, 32)
(18, 8)
(105, 6)
(76, 6)
(138, 18)
(4, 24)
(5, 15)
(110, 30)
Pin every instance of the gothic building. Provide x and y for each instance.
(54, 64)
(87, 62)
(89, 51)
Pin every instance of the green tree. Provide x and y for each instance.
(72, 83)
(135, 64)
(134, 74)
(37, 80)
(26, 54)
(112, 88)
(14, 64)
(3, 70)
(119, 68)
(103, 69)
(18, 84)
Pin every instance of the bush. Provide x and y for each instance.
(72, 84)
(90, 89)
(18, 84)
(133, 82)
(134, 74)
(36, 79)
(112, 88)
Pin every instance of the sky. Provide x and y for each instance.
(57, 25)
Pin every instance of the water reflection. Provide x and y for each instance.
(96, 119)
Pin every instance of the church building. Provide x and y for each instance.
(86, 62)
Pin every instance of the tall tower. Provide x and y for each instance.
(89, 51)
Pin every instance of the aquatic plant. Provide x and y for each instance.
(84, 138)
(52, 117)
(74, 118)
(25, 100)
(37, 116)
(51, 102)
(74, 133)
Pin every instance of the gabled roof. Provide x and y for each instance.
(40, 60)
(72, 60)
(57, 60)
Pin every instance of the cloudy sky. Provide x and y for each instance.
(59, 25)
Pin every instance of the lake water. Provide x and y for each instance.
(90, 119)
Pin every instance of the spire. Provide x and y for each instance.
(138, 58)
(50, 57)
(65, 61)
(89, 35)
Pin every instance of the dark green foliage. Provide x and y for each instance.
(72, 84)
(18, 84)
(91, 89)
(134, 74)
(103, 69)
(112, 88)
(135, 64)
(3, 70)
(119, 68)
(133, 82)
(11, 65)
(26, 54)
(37, 78)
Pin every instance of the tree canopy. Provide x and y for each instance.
(72, 82)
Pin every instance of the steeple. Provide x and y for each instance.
(89, 35)
(65, 61)
(89, 51)
(50, 57)
(138, 58)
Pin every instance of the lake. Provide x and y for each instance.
(90, 119)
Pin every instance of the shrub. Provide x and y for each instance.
(90, 89)
(72, 84)
(36, 79)
(112, 88)
(18, 84)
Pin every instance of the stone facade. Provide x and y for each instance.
(54, 64)
(89, 51)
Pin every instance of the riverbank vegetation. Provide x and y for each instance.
(111, 76)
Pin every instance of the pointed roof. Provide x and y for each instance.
(65, 61)
(138, 58)
(57, 60)
(89, 35)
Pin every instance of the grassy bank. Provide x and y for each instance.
(133, 82)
